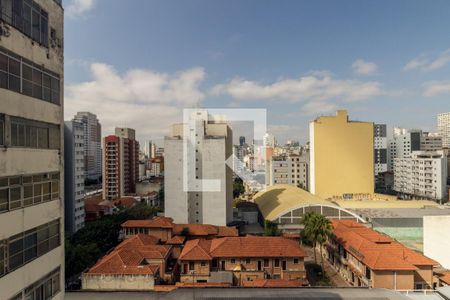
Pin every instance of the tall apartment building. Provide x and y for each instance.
(422, 174)
(150, 149)
(380, 142)
(342, 156)
(92, 144)
(291, 169)
(120, 164)
(187, 175)
(402, 143)
(430, 142)
(31, 149)
(74, 175)
(443, 124)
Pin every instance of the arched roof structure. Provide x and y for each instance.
(286, 204)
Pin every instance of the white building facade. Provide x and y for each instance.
(31, 150)
(443, 124)
(187, 200)
(423, 174)
(92, 144)
(74, 176)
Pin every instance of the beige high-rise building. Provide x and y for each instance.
(31, 150)
(342, 156)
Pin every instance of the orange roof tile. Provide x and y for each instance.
(444, 277)
(176, 240)
(130, 256)
(156, 222)
(126, 202)
(376, 250)
(249, 246)
(274, 283)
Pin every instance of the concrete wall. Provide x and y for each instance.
(341, 156)
(23, 161)
(118, 282)
(436, 239)
(400, 280)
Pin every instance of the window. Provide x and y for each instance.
(21, 191)
(295, 260)
(2, 126)
(247, 261)
(277, 263)
(191, 266)
(34, 134)
(45, 288)
(203, 264)
(266, 263)
(28, 17)
(233, 261)
(18, 75)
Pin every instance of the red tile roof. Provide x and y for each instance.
(130, 256)
(274, 283)
(126, 202)
(376, 250)
(176, 240)
(157, 222)
(444, 277)
(249, 246)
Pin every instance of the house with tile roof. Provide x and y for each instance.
(138, 263)
(165, 229)
(365, 257)
(244, 258)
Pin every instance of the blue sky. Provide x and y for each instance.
(139, 64)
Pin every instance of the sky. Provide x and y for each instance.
(138, 63)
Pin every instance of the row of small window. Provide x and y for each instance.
(21, 191)
(45, 288)
(28, 79)
(29, 133)
(22, 248)
(28, 17)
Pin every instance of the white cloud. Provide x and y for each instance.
(77, 8)
(318, 108)
(428, 63)
(307, 88)
(435, 88)
(141, 99)
(363, 67)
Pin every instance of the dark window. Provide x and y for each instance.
(266, 263)
(295, 260)
(191, 266)
(277, 263)
(233, 261)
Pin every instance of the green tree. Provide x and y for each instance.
(317, 229)
(271, 228)
(238, 187)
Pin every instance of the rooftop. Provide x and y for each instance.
(376, 250)
(249, 246)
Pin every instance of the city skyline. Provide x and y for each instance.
(363, 58)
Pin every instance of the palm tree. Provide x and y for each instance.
(317, 229)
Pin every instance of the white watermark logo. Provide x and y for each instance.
(208, 143)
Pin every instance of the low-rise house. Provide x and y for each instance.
(365, 257)
(138, 263)
(444, 278)
(244, 258)
(165, 229)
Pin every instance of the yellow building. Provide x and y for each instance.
(342, 159)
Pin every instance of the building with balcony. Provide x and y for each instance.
(31, 149)
(121, 164)
(241, 259)
(92, 144)
(290, 169)
(342, 156)
(423, 174)
(365, 257)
